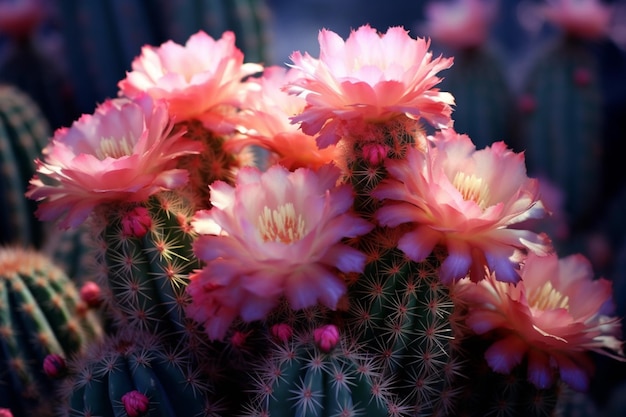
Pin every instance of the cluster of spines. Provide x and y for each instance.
(300, 375)
(144, 277)
(24, 133)
(136, 373)
(41, 314)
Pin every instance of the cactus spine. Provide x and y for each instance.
(40, 314)
(23, 134)
(146, 275)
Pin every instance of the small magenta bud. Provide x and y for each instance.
(135, 404)
(326, 337)
(582, 77)
(91, 294)
(54, 366)
(375, 153)
(527, 103)
(5, 412)
(281, 332)
(136, 222)
(239, 339)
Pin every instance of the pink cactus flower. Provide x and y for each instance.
(201, 79)
(135, 404)
(552, 317)
(124, 152)
(583, 18)
(460, 24)
(54, 365)
(136, 222)
(275, 234)
(465, 199)
(265, 121)
(369, 78)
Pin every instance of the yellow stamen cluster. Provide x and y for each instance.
(472, 188)
(281, 224)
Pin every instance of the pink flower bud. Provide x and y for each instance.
(326, 337)
(91, 294)
(374, 153)
(5, 412)
(281, 332)
(582, 77)
(54, 366)
(136, 222)
(135, 404)
(238, 339)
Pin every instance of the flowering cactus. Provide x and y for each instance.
(384, 273)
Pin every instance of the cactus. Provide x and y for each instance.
(146, 271)
(317, 374)
(562, 126)
(40, 314)
(485, 108)
(23, 134)
(134, 373)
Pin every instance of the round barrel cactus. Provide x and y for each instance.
(41, 314)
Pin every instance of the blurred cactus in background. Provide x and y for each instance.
(24, 132)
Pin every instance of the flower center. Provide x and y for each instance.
(472, 188)
(547, 297)
(281, 224)
(115, 147)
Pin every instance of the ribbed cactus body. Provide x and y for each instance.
(563, 124)
(298, 378)
(23, 133)
(40, 314)
(398, 309)
(146, 276)
(484, 104)
(135, 361)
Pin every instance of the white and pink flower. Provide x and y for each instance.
(552, 318)
(264, 120)
(273, 235)
(201, 79)
(466, 200)
(584, 18)
(124, 152)
(369, 78)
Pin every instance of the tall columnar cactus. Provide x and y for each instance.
(398, 309)
(23, 133)
(135, 373)
(144, 254)
(562, 125)
(40, 314)
(485, 107)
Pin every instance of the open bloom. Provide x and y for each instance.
(265, 121)
(372, 78)
(552, 318)
(125, 151)
(201, 79)
(274, 234)
(583, 18)
(460, 23)
(465, 199)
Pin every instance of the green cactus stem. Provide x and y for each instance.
(135, 371)
(40, 314)
(23, 134)
(146, 266)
